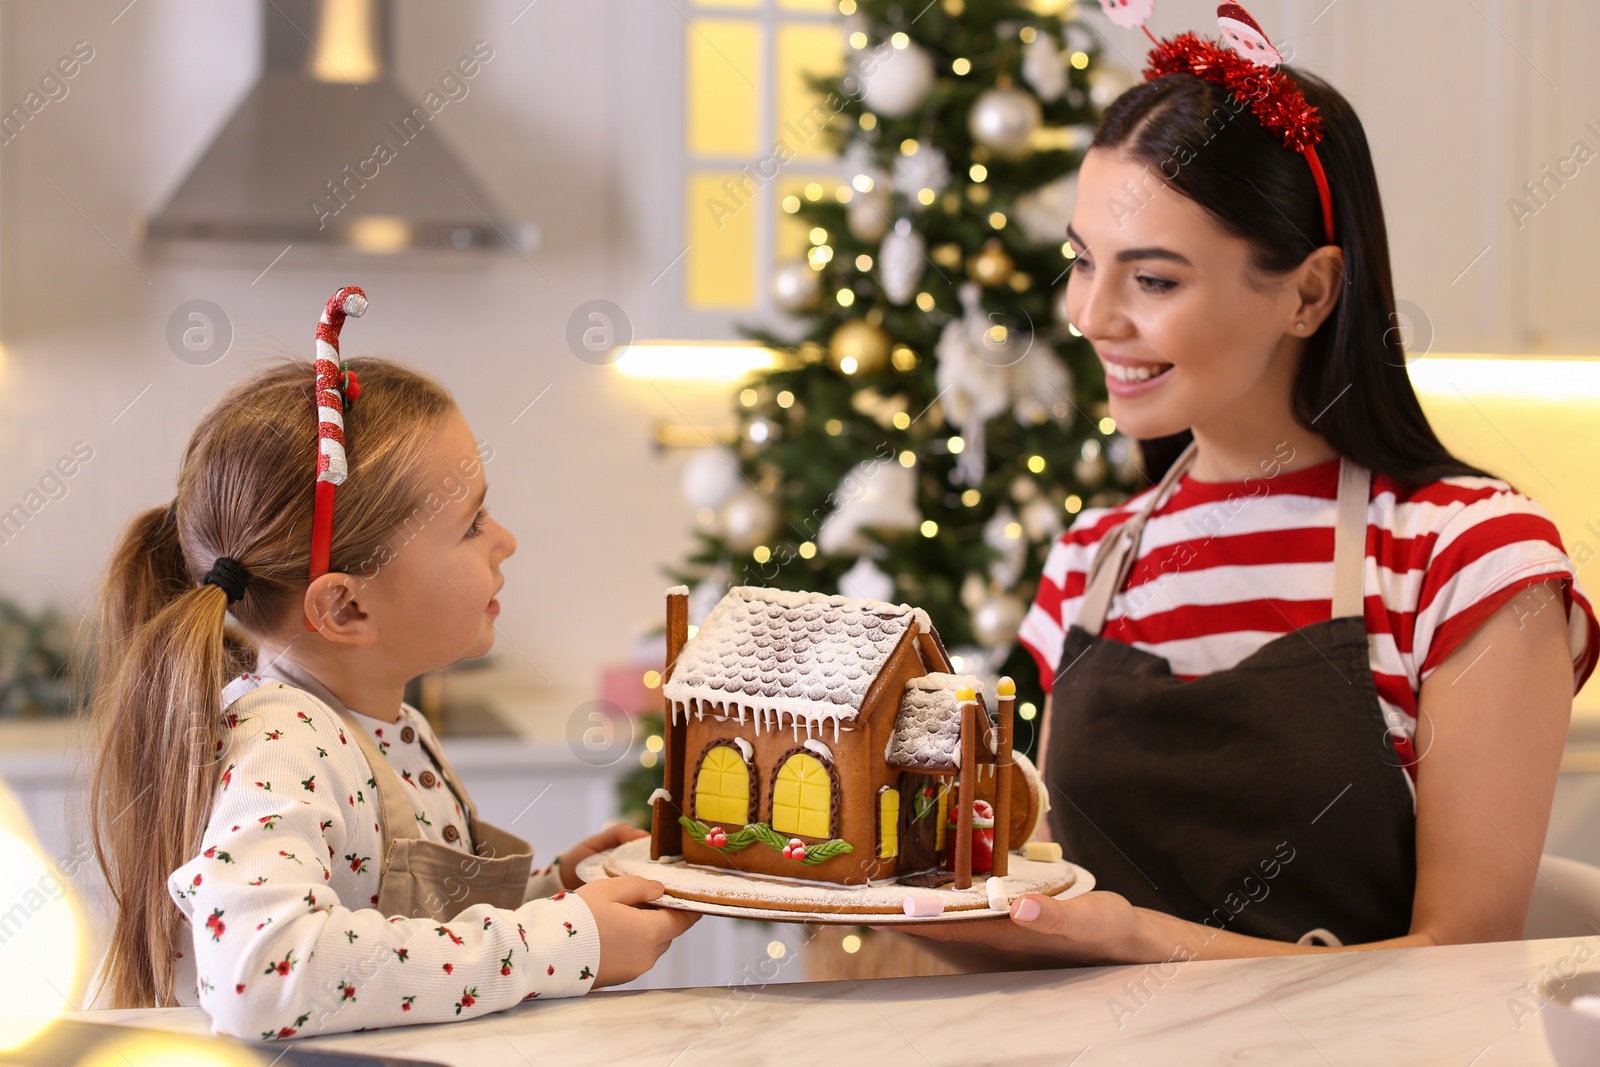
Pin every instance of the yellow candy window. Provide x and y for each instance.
(888, 824)
(802, 797)
(722, 789)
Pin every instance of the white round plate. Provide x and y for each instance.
(818, 902)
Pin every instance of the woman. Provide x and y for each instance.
(1314, 694)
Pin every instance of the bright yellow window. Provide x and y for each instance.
(722, 790)
(888, 824)
(802, 797)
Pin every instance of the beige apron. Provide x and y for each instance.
(419, 878)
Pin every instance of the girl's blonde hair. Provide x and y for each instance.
(245, 491)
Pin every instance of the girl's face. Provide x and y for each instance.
(434, 602)
(1187, 336)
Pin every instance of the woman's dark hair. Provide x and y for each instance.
(1352, 387)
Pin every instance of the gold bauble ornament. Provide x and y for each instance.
(859, 347)
(992, 266)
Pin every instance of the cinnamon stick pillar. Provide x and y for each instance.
(666, 833)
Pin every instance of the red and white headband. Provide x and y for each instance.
(1248, 70)
(337, 388)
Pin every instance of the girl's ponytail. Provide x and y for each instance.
(157, 716)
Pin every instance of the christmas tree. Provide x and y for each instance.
(933, 422)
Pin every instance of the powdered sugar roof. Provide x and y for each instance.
(927, 730)
(773, 652)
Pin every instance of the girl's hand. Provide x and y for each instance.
(606, 839)
(632, 938)
(1097, 927)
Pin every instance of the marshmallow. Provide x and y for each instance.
(923, 906)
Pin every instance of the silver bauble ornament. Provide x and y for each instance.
(795, 287)
(998, 619)
(747, 519)
(868, 214)
(1003, 119)
(710, 477)
(895, 81)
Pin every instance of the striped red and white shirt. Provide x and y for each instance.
(1225, 567)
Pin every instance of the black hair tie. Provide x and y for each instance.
(230, 576)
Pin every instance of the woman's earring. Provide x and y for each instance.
(1299, 325)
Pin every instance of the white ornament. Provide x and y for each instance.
(868, 214)
(973, 591)
(1124, 458)
(795, 287)
(1041, 520)
(1107, 81)
(747, 519)
(972, 388)
(1041, 384)
(865, 581)
(1006, 571)
(878, 494)
(997, 621)
(901, 260)
(710, 477)
(1003, 120)
(1042, 67)
(926, 168)
(895, 81)
(1043, 213)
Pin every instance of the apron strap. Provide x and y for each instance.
(1350, 541)
(398, 820)
(1120, 546)
(1118, 549)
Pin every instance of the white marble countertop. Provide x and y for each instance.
(1463, 1005)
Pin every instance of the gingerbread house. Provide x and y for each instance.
(820, 738)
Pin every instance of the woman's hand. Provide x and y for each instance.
(1097, 927)
(606, 839)
(632, 938)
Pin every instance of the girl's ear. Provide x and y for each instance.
(1321, 280)
(332, 605)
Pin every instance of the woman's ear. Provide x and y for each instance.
(1321, 282)
(332, 605)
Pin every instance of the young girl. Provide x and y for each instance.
(284, 839)
(1311, 690)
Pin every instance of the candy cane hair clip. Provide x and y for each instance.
(337, 389)
(1248, 70)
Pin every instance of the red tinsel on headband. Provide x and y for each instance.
(1273, 97)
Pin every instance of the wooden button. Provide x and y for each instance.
(408, 735)
(427, 779)
(451, 833)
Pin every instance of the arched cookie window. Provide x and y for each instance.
(802, 797)
(888, 823)
(722, 787)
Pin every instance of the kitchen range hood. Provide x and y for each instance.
(327, 149)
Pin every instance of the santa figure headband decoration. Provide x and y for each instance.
(1248, 70)
(337, 388)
